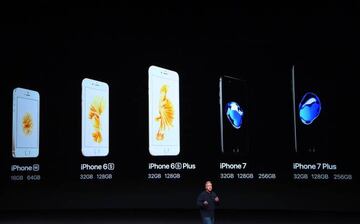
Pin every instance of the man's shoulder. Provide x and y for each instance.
(202, 193)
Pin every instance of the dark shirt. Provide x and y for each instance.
(207, 210)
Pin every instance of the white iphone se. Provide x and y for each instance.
(26, 121)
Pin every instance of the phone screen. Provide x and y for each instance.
(25, 123)
(95, 118)
(313, 104)
(234, 115)
(164, 125)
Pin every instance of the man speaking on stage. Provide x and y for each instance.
(207, 202)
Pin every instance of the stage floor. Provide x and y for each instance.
(177, 217)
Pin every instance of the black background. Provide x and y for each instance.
(51, 50)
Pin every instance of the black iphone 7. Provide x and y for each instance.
(314, 104)
(234, 115)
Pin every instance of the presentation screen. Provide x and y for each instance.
(119, 112)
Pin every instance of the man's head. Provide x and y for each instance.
(208, 186)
